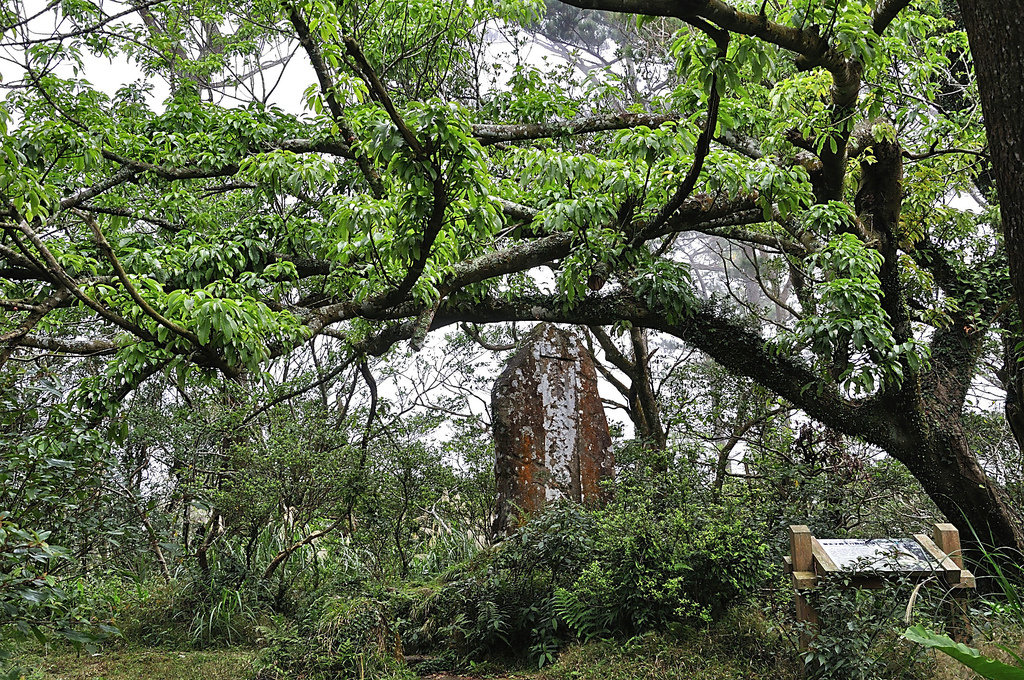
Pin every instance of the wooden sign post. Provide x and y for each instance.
(947, 540)
(801, 565)
(874, 561)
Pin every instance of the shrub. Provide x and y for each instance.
(650, 571)
(500, 603)
(858, 637)
(345, 637)
(184, 613)
(740, 645)
(663, 556)
(641, 564)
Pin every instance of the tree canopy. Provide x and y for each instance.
(802, 191)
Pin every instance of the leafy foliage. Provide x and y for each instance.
(985, 667)
(858, 636)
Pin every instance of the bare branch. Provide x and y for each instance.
(60, 37)
(323, 380)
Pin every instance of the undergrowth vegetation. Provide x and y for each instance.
(673, 577)
(668, 580)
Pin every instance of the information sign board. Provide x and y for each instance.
(890, 555)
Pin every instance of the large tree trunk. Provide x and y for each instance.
(934, 447)
(995, 29)
(1012, 378)
(646, 402)
(923, 428)
(640, 396)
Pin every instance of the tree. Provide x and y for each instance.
(810, 139)
(996, 33)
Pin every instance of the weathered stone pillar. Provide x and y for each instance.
(550, 432)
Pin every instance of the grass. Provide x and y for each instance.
(741, 647)
(649, 657)
(703, 655)
(654, 657)
(127, 663)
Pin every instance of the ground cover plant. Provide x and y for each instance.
(120, 664)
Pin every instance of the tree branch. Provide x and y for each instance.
(80, 347)
(118, 178)
(58, 272)
(287, 552)
(884, 14)
(172, 174)
(36, 314)
(330, 92)
(60, 37)
(104, 246)
(685, 188)
(495, 134)
(378, 90)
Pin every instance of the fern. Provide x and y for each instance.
(584, 620)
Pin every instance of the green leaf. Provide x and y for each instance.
(968, 656)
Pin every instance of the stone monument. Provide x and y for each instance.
(550, 432)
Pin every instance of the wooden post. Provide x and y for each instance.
(947, 538)
(802, 559)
